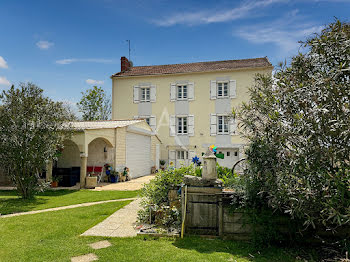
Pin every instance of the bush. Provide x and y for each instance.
(156, 206)
(155, 203)
(298, 126)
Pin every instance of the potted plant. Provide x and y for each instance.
(55, 181)
(124, 175)
(162, 164)
(114, 176)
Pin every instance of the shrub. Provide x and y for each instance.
(155, 203)
(298, 126)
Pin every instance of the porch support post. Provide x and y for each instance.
(83, 165)
(49, 171)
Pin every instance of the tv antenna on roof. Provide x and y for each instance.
(129, 48)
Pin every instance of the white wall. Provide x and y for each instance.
(70, 156)
(96, 155)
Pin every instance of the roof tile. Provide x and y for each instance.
(195, 67)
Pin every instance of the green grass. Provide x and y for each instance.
(55, 236)
(11, 203)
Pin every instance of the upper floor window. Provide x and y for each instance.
(182, 92)
(223, 124)
(145, 94)
(222, 89)
(182, 125)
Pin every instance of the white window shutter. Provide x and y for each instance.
(213, 124)
(173, 92)
(153, 123)
(233, 126)
(190, 125)
(212, 89)
(136, 94)
(153, 93)
(232, 88)
(172, 125)
(172, 156)
(191, 91)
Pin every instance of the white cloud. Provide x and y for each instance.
(44, 45)
(94, 82)
(210, 16)
(91, 60)
(4, 81)
(283, 33)
(3, 63)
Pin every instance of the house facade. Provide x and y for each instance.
(189, 106)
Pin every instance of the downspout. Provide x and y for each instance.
(184, 215)
(115, 148)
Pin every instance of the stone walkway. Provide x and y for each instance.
(119, 224)
(134, 184)
(66, 207)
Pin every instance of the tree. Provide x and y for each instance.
(298, 125)
(30, 133)
(95, 105)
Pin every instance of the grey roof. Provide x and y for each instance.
(83, 125)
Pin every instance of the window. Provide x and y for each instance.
(147, 120)
(236, 153)
(228, 153)
(222, 88)
(182, 125)
(145, 94)
(181, 92)
(182, 155)
(222, 124)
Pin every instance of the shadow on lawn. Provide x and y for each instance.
(235, 248)
(10, 202)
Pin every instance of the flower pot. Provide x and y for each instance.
(54, 184)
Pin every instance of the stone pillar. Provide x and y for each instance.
(49, 171)
(83, 166)
(209, 167)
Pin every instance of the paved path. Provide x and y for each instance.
(66, 207)
(119, 224)
(134, 184)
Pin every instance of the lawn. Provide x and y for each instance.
(54, 236)
(11, 203)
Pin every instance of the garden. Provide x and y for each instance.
(298, 157)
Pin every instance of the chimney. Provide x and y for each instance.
(125, 64)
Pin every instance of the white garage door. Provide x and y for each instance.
(138, 154)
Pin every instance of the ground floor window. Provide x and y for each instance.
(182, 154)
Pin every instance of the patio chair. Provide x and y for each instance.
(89, 170)
(98, 170)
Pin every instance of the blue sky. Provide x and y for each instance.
(66, 46)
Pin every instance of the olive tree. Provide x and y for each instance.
(30, 133)
(298, 125)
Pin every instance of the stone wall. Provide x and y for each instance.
(209, 212)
